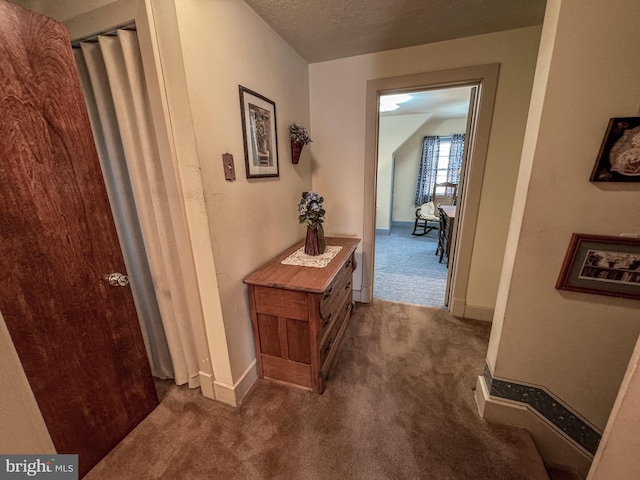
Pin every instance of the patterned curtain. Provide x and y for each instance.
(455, 158)
(427, 169)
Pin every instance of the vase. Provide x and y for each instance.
(296, 150)
(315, 243)
(262, 146)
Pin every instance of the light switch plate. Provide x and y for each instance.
(229, 168)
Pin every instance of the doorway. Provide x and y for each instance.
(154, 175)
(485, 79)
(410, 266)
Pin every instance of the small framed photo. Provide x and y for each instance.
(619, 156)
(259, 134)
(602, 265)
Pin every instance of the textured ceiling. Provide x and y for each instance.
(322, 30)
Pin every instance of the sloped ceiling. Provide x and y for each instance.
(321, 30)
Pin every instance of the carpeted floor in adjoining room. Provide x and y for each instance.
(406, 269)
(398, 405)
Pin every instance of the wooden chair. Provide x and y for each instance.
(427, 213)
(445, 193)
(443, 235)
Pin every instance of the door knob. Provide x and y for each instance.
(117, 280)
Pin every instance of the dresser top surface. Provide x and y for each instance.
(310, 279)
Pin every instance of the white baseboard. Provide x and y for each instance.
(233, 394)
(206, 385)
(456, 308)
(554, 446)
(246, 381)
(365, 294)
(478, 313)
(357, 296)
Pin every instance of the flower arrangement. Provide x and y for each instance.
(262, 124)
(299, 135)
(310, 211)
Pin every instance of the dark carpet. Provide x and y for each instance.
(406, 269)
(398, 405)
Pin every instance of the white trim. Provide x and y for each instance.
(206, 385)
(476, 312)
(555, 447)
(357, 296)
(173, 115)
(246, 381)
(485, 77)
(456, 307)
(365, 296)
(234, 394)
(103, 19)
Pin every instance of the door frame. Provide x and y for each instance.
(485, 78)
(471, 110)
(393, 189)
(180, 169)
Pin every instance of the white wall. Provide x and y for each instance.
(617, 455)
(407, 162)
(338, 89)
(22, 428)
(576, 345)
(393, 131)
(225, 44)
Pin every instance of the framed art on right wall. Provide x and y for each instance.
(619, 156)
(603, 265)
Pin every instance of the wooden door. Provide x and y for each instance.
(77, 337)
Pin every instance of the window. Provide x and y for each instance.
(440, 162)
(443, 162)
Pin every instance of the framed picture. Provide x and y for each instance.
(603, 265)
(259, 134)
(619, 156)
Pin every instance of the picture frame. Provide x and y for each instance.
(619, 156)
(259, 134)
(603, 265)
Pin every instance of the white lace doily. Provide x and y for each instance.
(301, 259)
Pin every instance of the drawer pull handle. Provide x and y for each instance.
(328, 293)
(346, 287)
(328, 347)
(348, 264)
(325, 321)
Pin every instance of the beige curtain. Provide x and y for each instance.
(113, 80)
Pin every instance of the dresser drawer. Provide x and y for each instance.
(281, 303)
(328, 350)
(333, 295)
(345, 271)
(333, 310)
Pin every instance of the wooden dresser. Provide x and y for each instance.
(299, 315)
